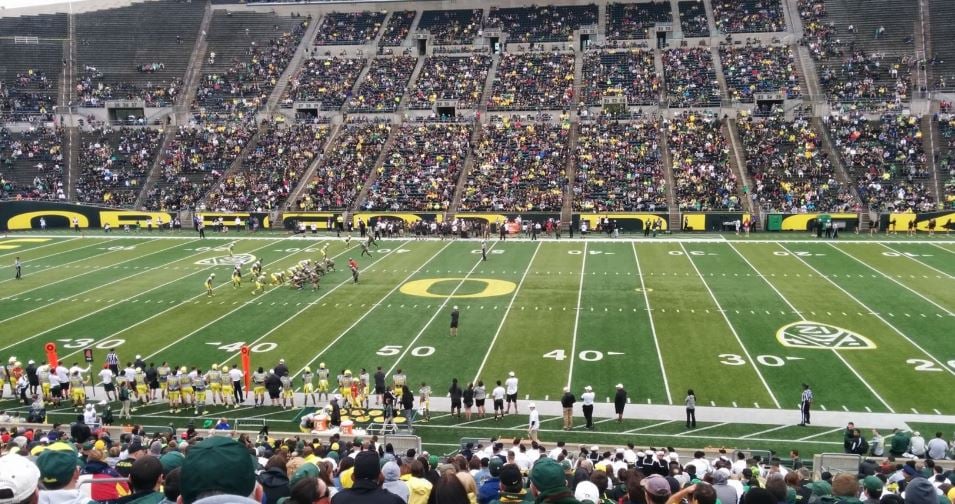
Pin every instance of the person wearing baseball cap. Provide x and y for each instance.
(58, 474)
(548, 483)
(491, 488)
(218, 470)
(656, 488)
(19, 480)
(365, 489)
(512, 488)
(873, 489)
(145, 478)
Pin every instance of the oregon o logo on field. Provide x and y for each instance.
(226, 260)
(807, 334)
(492, 287)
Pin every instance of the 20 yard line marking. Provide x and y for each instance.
(834, 351)
(731, 327)
(580, 294)
(500, 326)
(653, 329)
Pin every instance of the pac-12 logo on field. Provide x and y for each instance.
(226, 260)
(807, 334)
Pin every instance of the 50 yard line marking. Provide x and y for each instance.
(876, 315)
(653, 329)
(500, 326)
(730, 325)
(834, 351)
(580, 295)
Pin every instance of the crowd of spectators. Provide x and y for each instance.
(756, 68)
(326, 80)
(246, 85)
(349, 28)
(33, 163)
(342, 173)
(451, 27)
(946, 164)
(384, 85)
(550, 23)
(422, 169)
(458, 78)
(533, 81)
(862, 77)
(693, 20)
(29, 94)
(272, 170)
(194, 161)
(519, 166)
(629, 72)
(790, 170)
(819, 35)
(619, 167)
(92, 90)
(634, 20)
(885, 158)
(690, 78)
(114, 164)
(748, 16)
(703, 180)
(396, 31)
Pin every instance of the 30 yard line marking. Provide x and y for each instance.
(580, 294)
(906, 287)
(653, 329)
(876, 315)
(834, 351)
(730, 325)
(507, 310)
(920, 262)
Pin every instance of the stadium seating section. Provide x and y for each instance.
(634, 20)
(541, 23)
(114, 164)
(452, 26)
(628, 73)
(349, 28)
(31, 164)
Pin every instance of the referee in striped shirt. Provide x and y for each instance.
(112, 361)
(805, 403)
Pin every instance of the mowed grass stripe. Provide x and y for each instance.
(614, 336)
(58, 270)
(763, 310)
(390, 327)
(118, 301)
(481, 318)
(931, 254)
(916, 258)
(692, 333)
(528, 334)
(13, 246)
(906, 273)
(822, 300)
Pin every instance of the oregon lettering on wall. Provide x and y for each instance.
(23, 215)
(409, 218)
(626, 221)
(228, 218)
(806, 221)
(943, 221)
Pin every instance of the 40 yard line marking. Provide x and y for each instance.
(500, 326)
(730, 325)
(653, 329)
(834, 351)
(580, 294)
(876, 315)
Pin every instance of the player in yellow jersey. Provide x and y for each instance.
(77, 389)
(237, 276)
(214, 385)
(163, 372)
(322, 372)
(231, 246)
(308, 388)
(227, 387)
(277, 278)
(398, 381)
(288, 392)
(209, 293)
(324, 252)
(199, 386)
(185, 387)
(258, 386)
(344, 388)
(172, 390)
(43, 374)
(142, 388)
(259, 285)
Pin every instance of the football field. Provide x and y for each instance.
(743, 322)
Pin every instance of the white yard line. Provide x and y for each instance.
(834, 351)
(876, 315)
(645, 427)
(900, 284)
(760, 433)
(60, 266)
(903, 254)
(694, 431)
(580, 294)
(510, 305)
(372, 308)
(730, 325)
(823, 433)
(942, 248)
(653, 328)
(23, 251)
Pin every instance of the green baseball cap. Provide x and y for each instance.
(171, 461)
(307, 470)
(217, 464)
(494, 466)
(548, 476)
(56, 467)
(872, 484)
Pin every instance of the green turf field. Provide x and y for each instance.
(742, 322)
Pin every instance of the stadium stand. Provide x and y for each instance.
(634, 20)
(700, 161)
(693, 19)
(619, 167)
(114, 164)
(31, 163)
(533, 81)
(422, 168)
(885, 159)
(941, 62)
(756, 68)
(690, 78)
(270, 172)
(946, 164)
(342, 172)
(326, 80)
(460, 78)
(349, 28)
(630, 73)
(32, 61)
(396, 31)
(457, 26)
(748, 16)
(384, 85)
(789, 169)
(140, 51)
(541, 23)
(519, 166)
